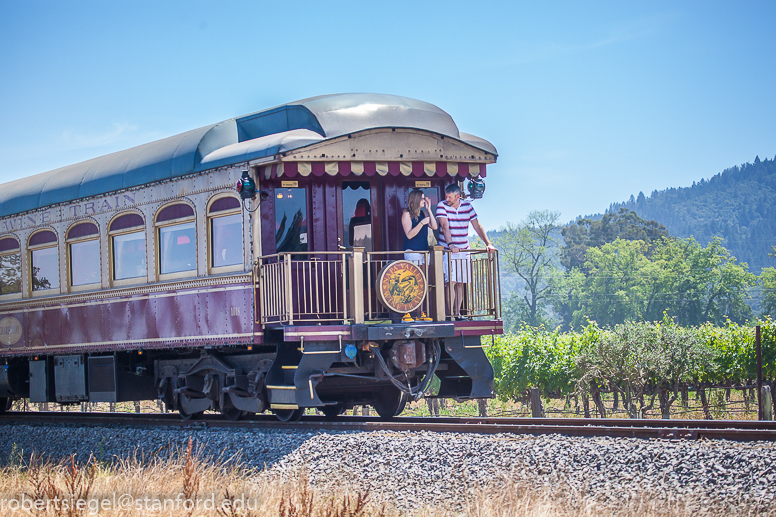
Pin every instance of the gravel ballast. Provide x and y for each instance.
(441, 469)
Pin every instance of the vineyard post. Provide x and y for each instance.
(759, 373)
(535, 396)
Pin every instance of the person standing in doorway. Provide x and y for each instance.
(454, 216)
(416, 221)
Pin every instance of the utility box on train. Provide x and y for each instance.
(102, 379)
(42, 380)
(112, 380)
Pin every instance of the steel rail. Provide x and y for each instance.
(740, 430)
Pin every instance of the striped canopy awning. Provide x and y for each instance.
(417, 169)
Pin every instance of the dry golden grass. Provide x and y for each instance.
(185, 484)
(181, 485)
(517, 498)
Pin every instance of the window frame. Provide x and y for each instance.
(306, 187)
(77, 240)
(111, 250)
(158, 242)
(212, 270)
(17, 251)
(43, 292)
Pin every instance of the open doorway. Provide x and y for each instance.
(357, 214)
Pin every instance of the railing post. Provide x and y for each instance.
(344, 265)
(258, 301)
(437, 281)
(491, 261)
(357, 284)
(289, 286)
(368, 286)
(497, 276)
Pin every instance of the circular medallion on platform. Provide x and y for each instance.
(401, 286)
(10, 331)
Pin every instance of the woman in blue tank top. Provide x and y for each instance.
(416, 220)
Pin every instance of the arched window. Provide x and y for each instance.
(83, 249)
(44, 261)
(10, 267)
(225, 235)
(176, 239)
(127, 245)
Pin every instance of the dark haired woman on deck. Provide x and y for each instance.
(416, 220)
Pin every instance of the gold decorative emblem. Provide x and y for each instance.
(10, 331)
(401, 286)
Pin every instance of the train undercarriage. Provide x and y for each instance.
(391, 365)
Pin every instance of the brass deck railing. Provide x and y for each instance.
(338, 286)
(311, 289)
(478, 271)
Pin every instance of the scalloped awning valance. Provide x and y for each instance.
(348, 168)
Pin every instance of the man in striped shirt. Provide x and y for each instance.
(454, 216)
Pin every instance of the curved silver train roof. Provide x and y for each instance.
(264, 133)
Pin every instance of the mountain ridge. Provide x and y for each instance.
(738, 205)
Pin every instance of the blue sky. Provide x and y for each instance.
(587, 102)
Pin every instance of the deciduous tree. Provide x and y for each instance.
(530, 250)
(586, 233)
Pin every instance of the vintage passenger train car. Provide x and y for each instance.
(145, 274)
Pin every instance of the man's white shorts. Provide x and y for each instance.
(461, 264)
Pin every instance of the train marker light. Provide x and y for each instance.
(245, 186)
(350, 350)
(476, 188)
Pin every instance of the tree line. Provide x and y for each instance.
(737, 205)
(622, 268)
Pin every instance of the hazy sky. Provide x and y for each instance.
(586, 102)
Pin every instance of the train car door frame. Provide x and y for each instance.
(268, 210)
(376, 210)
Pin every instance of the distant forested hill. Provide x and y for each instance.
(738, 205)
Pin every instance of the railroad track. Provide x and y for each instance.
(740, 430)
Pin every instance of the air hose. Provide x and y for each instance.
(417, 391)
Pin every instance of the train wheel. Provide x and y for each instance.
(402, 404)
(288, 415)
(389, 403)
(332, 412)
(188, 416)
(233, 414)
(5, 404)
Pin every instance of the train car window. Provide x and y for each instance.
(128, 222)
(83, 246)
(127, 240)
(290, 219)
(176, 234)
(10, 267)
(44, 261)
(226, 239)
(357, 214)
(173, 212)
